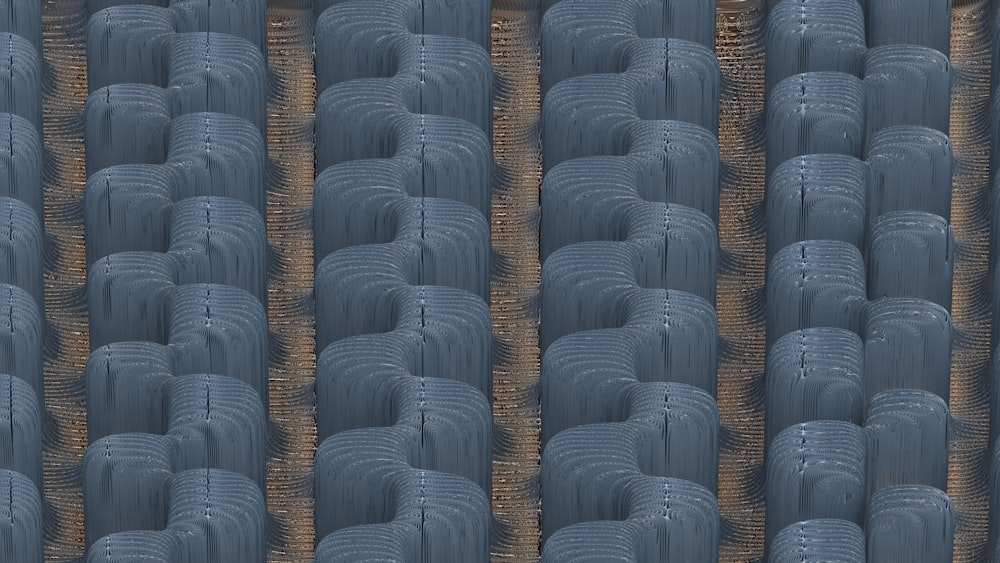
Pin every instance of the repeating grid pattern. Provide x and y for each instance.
(404, 336)
(519, 280)
(177, 383)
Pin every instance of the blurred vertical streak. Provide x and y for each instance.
(67, 339)
(516, 276)
(740, 303)
(970, 306)
(291, 174)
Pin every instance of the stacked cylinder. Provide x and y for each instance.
(404, 336)
(22, 303)
(177, 382)
(860, 259)
(629, 249)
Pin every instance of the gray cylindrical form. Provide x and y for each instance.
(127, 44)
(126, 384)
(470, 20)
(906, 85)
(668, 520)
(218, 422)
(94, 6)
(21, 324)
(366, 295)
(22, 247)
(220, 240)
(449, 240)
(667, 247)
(222, 515)
(21, 161)
(147, 546)
(602, 198)
(438, 75)
(693, 21)
(907, 439)
(449, 421)
(580, 370)
(814, 113)
(817, 197)
(592, 473)
(597, 115)
(21, 429)
(125, 296)
(126, 124)
(813, 374)
(221, 330)
(366, 119)
(819, 283)
(241, 18)
(597, 294)
(910, 524)
(364, 481)
(21, 78)
(667, 430)
(911, 254)
(127, 208)
(911, 170)
(813, 35)
(24, 18)
(815, 470)
(218, 154)
(924, 22)
(388, 541)
(819, 541)
(21, 524)
(907, 346)
(216, 72)
(126, 483)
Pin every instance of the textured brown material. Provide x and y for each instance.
(740, 301)
(970, 306)
(291, 106)
(67, 342)
(516, 277)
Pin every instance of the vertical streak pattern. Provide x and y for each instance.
(970, 306)
(67, 336)
(291, 106)
(740, 301)
(516, 279)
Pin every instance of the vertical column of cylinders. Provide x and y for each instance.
(404, 336)
(177, 384)
(629, 246)
(860, 260)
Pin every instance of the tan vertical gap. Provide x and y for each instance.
(740, 301)
(968, 484)
(67, 330)
(516, 278)
(291, 107)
